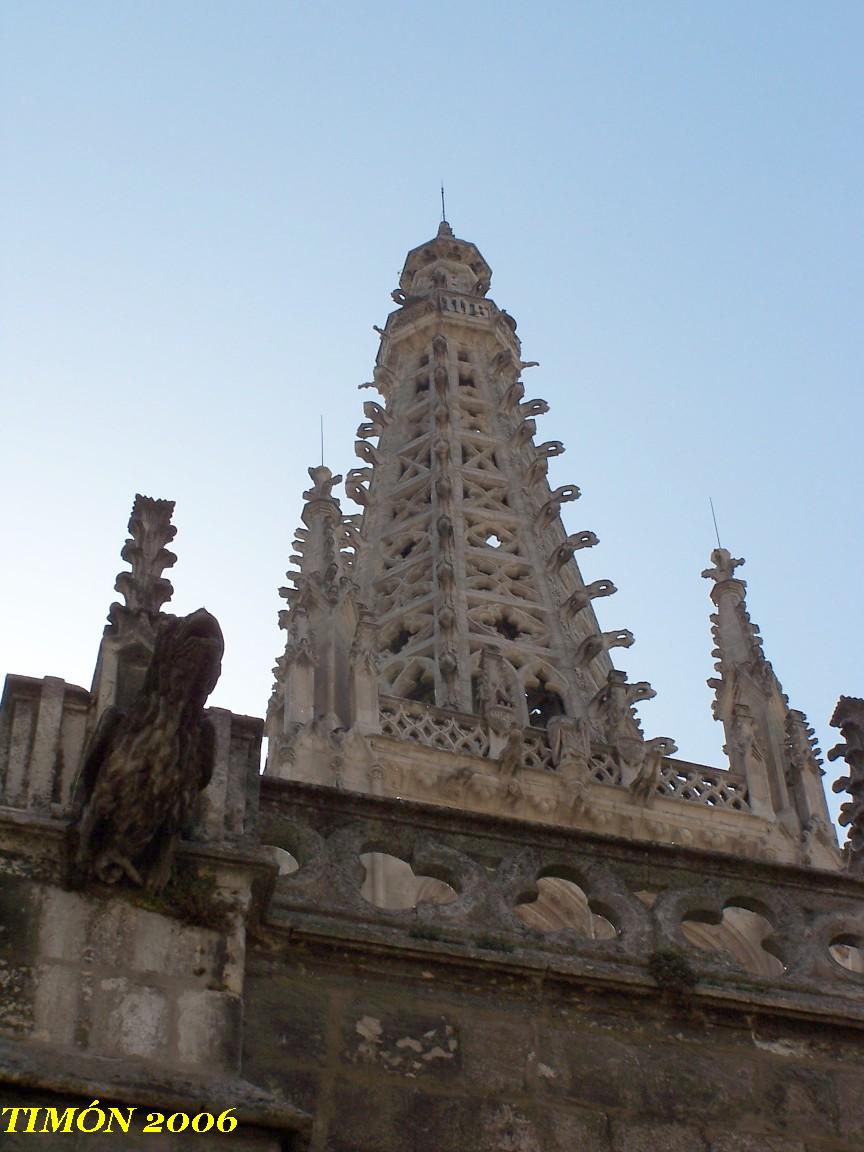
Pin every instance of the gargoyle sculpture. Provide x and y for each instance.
(145, 766)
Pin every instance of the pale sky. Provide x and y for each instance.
(205, 206)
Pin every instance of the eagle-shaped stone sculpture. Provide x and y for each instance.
(145, 765)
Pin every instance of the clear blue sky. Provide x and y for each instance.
(205, 206)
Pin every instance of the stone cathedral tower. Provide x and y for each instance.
(469, 904)
(443, 644)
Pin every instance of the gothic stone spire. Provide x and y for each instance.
(465, 550)
(442, 642)
(464, 575)
(768, 742)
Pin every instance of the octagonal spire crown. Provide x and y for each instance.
(445, 262)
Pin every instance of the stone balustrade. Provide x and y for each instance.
(653, 896)
(466, 735)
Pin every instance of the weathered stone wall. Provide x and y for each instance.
(338, 1024)
(408, 1054)
(116, 995)
(103, 973)
(244, 1139)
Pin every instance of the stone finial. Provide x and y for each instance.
(145, 589)
(849, 718)
(323, 482)
(724, 566)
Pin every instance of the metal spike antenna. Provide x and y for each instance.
(322, 441)
(714, 518)
(443, 210)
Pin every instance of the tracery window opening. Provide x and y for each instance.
(542, 702)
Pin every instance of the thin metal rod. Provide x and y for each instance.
(322, 441)
(714, 518)
(443, 211)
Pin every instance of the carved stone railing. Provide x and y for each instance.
(536, 752)
(603, 767)
(464, 735)
(712, 786)
(435, 727)
(647, 892)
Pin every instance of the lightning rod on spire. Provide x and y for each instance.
(714, 518)
(443, 211)
(322, 441)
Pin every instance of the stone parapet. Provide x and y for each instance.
(655, 898)
(43, 729)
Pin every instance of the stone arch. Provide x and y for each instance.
(740, 934)
(563, 904)
(544, 692)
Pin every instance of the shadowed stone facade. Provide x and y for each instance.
(469, 904)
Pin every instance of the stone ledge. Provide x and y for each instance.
(494, 865)
(522, 964)
(275, 792)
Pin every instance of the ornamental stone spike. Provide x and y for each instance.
(849, 718)
(129, 637)
(765, 740)
(144, 588)
(313, 678)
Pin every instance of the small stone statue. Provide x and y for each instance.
(643, 787)
(145, 766)
(510, 759)
(569, 741)
(494, 689)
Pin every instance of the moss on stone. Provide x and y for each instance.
(494, 944)
(191, 895)
(672, 972)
